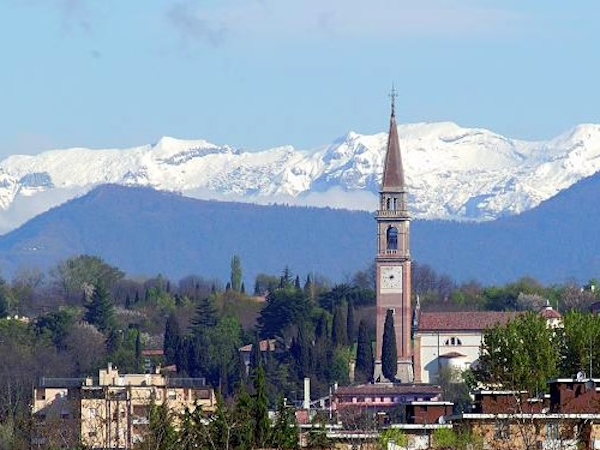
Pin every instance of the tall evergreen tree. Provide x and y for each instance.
(350, 322)
(308, 288)
(255, 357)
(256, 288)
(161, 435)
(236, 273)
(172, 340)
(285, 431)
(286, 278)
(322, 350)
(243, 288)
(262, 425)
(338, 333)
(243, 438)
(364, 354)
(100, 310)
(138, 351)
(302, 352)
(205, 316)
(389, 355)
(297, 282)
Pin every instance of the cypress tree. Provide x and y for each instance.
(364, 354)
(350, 322)
(243, 437)
(236, 273)
(172, 341)
(243, 288)
(302, 352)
(297, 282)
(138, 351)
(308, 287)
(339, 333)
(389, 356)
(256, 288)
(285, 429)
(100, 311)
(255, 357)
(260, 409)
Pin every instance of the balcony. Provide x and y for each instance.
(396, 214)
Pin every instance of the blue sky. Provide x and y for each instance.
(262, 73)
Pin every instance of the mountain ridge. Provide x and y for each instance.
(452, 172)
(146, 232)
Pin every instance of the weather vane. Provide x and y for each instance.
(393, 95)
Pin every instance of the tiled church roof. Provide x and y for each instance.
(463, 321)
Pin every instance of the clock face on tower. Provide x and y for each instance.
(390, 279)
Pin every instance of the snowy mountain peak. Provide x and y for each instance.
(452, 172)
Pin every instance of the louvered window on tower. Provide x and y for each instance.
(392, 238)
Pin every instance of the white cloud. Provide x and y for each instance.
(344, 18)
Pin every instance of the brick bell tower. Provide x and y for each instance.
(393, 257)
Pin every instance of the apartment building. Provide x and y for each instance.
(110, 412)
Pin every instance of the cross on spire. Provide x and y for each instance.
(393, 95)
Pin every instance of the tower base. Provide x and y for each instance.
(404, 372)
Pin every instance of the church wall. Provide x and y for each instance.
(431, 345)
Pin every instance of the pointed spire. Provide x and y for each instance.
(393, 173)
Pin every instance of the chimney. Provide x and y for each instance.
(306, 402)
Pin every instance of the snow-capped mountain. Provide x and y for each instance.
(452, 172)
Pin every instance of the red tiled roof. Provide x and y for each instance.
(153, 352)
(463, 321)
(262, 344)
(549, 313)
(389, 389)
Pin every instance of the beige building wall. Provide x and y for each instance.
(112, 413)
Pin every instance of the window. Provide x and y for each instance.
(391, 204)
(40, 394)
(501, 430)
(392, 238)
(453, 341)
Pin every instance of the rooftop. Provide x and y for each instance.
(463, 321)
(389, 389)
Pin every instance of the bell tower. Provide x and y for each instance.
(392, 262)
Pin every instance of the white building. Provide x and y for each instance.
(453, 339)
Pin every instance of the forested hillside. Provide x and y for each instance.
(145, 232)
